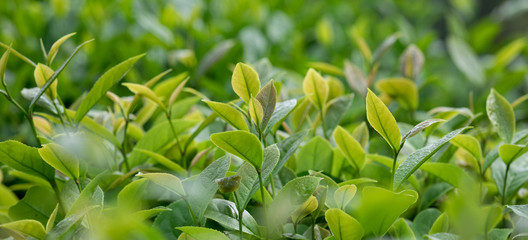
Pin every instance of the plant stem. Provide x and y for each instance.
(123, 146)
(272, 185)
(323, 124)
(240, 212)
(504, 185)
(395, 159)
(313, 227)
(168, 115)
(259, 172)
(191, 211)
(57, 195)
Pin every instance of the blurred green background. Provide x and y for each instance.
(280, 38)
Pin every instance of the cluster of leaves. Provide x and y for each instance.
(206, 38)
(168, 163)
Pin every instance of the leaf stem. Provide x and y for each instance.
(504, 184)
(259, 172)
(394, 160)
(323, 124)
(240, 212)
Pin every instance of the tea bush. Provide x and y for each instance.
(382, 145)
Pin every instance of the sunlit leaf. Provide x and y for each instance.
(242, 144)
(381, 119)
(245, 82)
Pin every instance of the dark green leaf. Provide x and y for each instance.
(25, 159)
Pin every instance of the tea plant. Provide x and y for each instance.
(165, 162)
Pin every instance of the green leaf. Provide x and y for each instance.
(316, 155)
(380, 208)
(381, 119)
(305, 209)
(351, 148)
(169, 164)
(226, 214)
(315, 88)
(343, 226)
(256, 113)
(103, 84)
(501, 115)
(268, 100)
(418, 157)
(157, 138)
(282, 110)
(37, 204)
(335, 109)
(201, 190)
(148, 213)
(326, 68)
(355, 78)
(59, 231)
(443, 236)
(167, 221)
(290, 197)
(449, 173)
(229, 114)
(92, 195)
(28, 227)
(468, 143)
(433, 193)
(384, 47)
(401, 89)
(499, 233)
(242, 144)
(411, 61)
(508, 53)
(139, 89)
(250, 183)
(167, 181)
(245, 82)
(55, 47)
(61, 159)
(8, 198)
(200, 233)
(361, 134)
(419, 127)
(402, 230)
(288, 147)
(43, 74)
(521, 210)
(3, 65)
(465, 60)
(25, 159)
(424, 220)
(510, 152)
(344, 194)
(440, 225)
(51, 220)
(493, 217)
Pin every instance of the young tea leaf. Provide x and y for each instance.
(343, 226)
(401, 89)
(27, 227)
(509, 152)
(315, 88)
(268, 99)
(200, 233)
(103, 84)
(229, 114)
(61, 159)
(43, 74)
(381, 119)
(55, 47)
(168, 181)
(351, 148)
(245, 81)
(468, 143)
(501, 115)
(465, 60)
(411, 62)
(145, 91)
(355, 78)
(344, 194)
(419, 127)
(242, 144)
(417, 158)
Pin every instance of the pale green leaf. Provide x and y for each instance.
(200, 233)
(245, 82)
(256, 113)
(344, 194)
(168, 181)
(352, 150)
(343, 226)
(146, 92)
(465, 60)
(103, 84)
(43, 74)
(61, 159)
(510, 152)
(242, 144)
(315, 88)
(468, 143)
(401, 89)
(27, 227)
(501, 115)
(55, 47)
(229, 114)
(381, 119)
